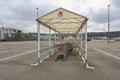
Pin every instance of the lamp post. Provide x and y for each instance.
(108, 23)
(38, 31)
(38, 40)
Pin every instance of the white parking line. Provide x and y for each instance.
(115, 49)
(107, 53)
(92, 52)
(116, 45)
(28, 52)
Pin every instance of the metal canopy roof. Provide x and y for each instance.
(63, 21)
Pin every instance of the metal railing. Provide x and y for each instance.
(48, 49)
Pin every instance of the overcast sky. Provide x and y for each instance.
(21, 14)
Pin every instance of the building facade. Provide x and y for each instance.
(9, 33)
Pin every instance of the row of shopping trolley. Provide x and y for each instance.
(65, 48)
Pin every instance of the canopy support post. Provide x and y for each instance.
(55, 36)
(86, 62)
(55, 41)
(58, 37)
(81, 38)
(38, 30)
(77, 36)
(49, 40)
(86, 45)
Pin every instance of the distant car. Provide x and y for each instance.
(117, 39)
(88, 39)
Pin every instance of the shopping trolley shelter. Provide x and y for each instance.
(65, 57)
(64, 22)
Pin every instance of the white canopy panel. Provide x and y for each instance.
(63, 21)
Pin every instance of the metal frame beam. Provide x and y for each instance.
(62, 22)
(61, 18)
(47, 26)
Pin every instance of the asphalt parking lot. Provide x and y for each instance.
(16, 57)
